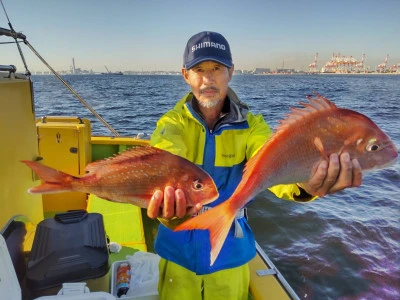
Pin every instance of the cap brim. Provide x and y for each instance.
(227, 63)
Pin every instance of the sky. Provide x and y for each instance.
(151, 35)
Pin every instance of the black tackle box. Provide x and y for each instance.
(70, 247)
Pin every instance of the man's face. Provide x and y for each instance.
(209, 82)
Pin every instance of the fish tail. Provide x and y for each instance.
(218, 221)
(54, 181)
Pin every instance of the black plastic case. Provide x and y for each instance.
(70, 247)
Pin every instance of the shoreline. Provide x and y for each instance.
(235, 74)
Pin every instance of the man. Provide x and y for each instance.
(211, 127)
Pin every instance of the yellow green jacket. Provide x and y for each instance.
(222, 152)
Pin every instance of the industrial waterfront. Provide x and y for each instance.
(337, 64)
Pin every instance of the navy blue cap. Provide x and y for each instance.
(207, 45)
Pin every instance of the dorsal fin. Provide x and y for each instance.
(317, 104)
(136, 152)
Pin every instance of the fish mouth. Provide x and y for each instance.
(388, 164)
(394, 153)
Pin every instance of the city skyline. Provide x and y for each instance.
(151, 35)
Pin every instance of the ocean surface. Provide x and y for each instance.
(342, 246)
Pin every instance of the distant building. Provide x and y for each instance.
(259, 71)
(285, 71)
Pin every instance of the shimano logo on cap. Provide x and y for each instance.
(208, 45)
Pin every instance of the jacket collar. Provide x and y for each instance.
(235, 112)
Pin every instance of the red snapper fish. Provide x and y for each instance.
(131, 177)
(306, 137)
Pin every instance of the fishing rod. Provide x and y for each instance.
(18, 35)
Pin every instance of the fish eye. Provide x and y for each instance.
(372, 146)
(197, 185)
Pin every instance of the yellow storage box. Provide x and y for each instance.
(67, 138)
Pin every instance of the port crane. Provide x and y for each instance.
(381, 68)
(359, 65)
(344, 64)
(313, 66)
(112, 73)
(108, 71)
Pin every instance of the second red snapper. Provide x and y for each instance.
(302, 140)
(132, 177)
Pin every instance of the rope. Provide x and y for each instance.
(3, 43)
(15, 36)
(5, 12)
(72, 90)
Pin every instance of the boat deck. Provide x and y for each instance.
(66, 143)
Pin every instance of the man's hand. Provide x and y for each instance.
(170, 203)
(337, 174)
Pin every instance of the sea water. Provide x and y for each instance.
(342, 246)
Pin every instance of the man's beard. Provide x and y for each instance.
(209, 103)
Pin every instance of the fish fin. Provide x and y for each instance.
(218, 221)
(315, 105)
(354, 139)
(320, 102)
(48, 188)
(131, 154)
(320, 146)
(54, 181)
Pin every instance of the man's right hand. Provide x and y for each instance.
(170, 203)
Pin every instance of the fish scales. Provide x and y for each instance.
(132, 176)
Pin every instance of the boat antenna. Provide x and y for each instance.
(16, 35)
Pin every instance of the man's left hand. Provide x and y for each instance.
(338, 173)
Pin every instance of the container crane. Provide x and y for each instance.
(313, 66)
(381, 68)
(359, 67)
